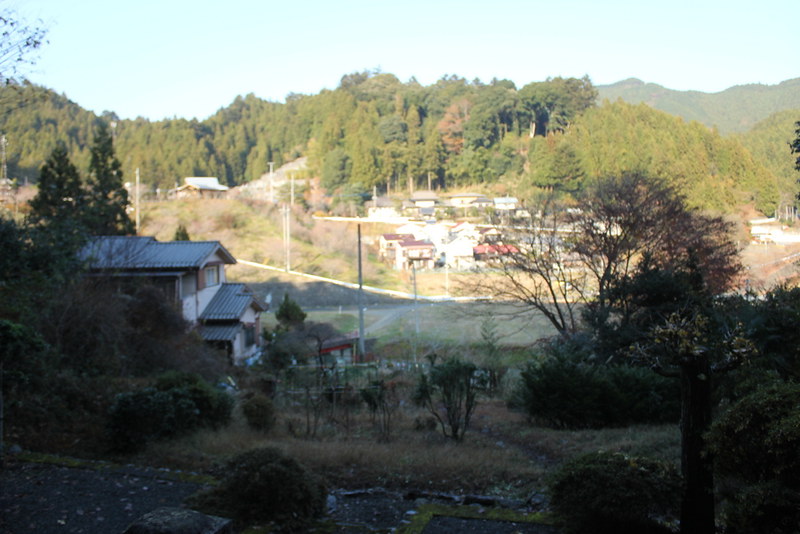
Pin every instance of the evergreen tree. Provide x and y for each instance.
(181, 234)
(796, 146)
(108, 198)
(290, 315)
(60, 197)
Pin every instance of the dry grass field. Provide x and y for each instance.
(502, 454)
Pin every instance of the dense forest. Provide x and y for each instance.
(734, 110)
(375, 132)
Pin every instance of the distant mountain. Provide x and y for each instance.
(734, 110)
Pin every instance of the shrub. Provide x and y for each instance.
(566, 390)
(264, 485)
(754, 445)
(259, 412)
(180, 403)
(213, 406)
(758, 438)
(449, 392)
(764, 508)
(613, 493)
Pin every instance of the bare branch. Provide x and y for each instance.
(18, 43)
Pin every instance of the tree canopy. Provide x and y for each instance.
(18, 42)
(579, 255)
(97, 206)
(374, 131)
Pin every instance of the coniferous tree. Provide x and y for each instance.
(108, 198)
(61, 197)
(290, 314)
(181, 234)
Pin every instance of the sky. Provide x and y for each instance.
(176, 58)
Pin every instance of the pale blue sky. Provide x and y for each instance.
(167, 58)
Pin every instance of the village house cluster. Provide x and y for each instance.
(429, 205)
(433, 243)
(459, 246)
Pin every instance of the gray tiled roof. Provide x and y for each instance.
(230, 303)
(126, 253)
(220, 332)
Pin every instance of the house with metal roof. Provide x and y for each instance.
(387, 244)
(419, 254)
(203, 187)
(192, 275)
(505, 203)
(232, 322)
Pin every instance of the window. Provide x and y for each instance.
(212, 275)
(249, 335)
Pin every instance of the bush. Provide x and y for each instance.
(259, 412)
(764, 508)
(755, 448)
(758, 439)
(264, 485)
(449, 393)
(214, 406)
(179, 404)
(613, 493)
(567, 390)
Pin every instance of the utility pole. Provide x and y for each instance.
(5, 185)
(286, 235)
(137, 200)
(361, 345)
(271, 190)
(446, 277)
(416, 315)
(3, 144)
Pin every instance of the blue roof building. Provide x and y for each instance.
(192, 275)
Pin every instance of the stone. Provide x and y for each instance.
(179, 521)
(331, 502)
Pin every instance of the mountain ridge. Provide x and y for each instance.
(733, 110)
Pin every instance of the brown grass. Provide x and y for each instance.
(501, 454)
(359, 458)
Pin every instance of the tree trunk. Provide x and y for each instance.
(697, 506)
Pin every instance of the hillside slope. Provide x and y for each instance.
(733, 110)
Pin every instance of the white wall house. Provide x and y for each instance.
(458, 252)
(505, 203)
(419, 253)
(192, 274)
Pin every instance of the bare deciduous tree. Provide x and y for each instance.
(18, 41)
(535, 269)
(570, 256)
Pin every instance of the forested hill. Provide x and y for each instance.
(734, 110)
(375, 132)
